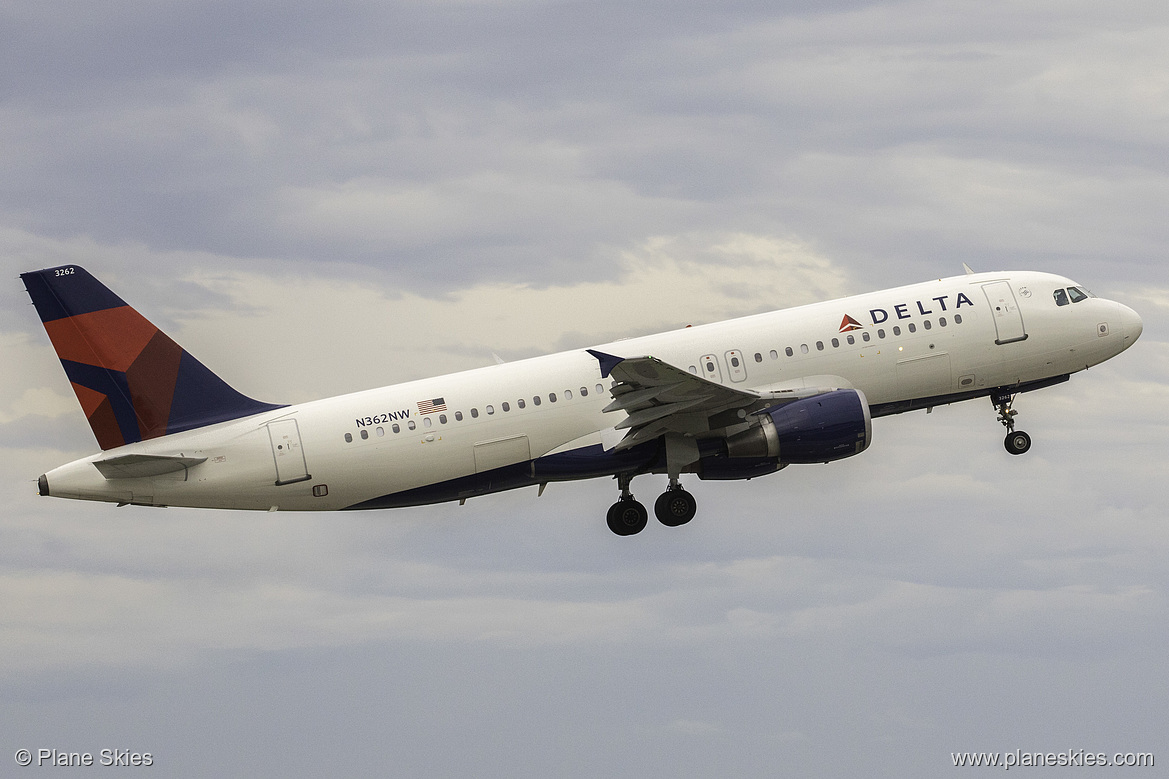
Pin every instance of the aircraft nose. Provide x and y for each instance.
(1131, 325)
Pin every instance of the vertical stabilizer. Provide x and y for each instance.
(132, 380)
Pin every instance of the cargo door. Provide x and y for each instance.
(925, 376)
(490, 455)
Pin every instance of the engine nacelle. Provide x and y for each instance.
(820, 429)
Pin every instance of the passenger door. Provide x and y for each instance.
(1008, 320)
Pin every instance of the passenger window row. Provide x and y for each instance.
(865, 337)
(428, 419)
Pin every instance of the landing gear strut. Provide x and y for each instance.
(1016, 442)
(626, 516)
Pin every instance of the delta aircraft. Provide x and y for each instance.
(729, 400)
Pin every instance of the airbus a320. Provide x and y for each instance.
(729, 400)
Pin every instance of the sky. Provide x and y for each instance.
(317, 198)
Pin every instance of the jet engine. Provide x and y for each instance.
(819, 429)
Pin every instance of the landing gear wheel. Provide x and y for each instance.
(1017, 442)
(627, 517)
(675, 507)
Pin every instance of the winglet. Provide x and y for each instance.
(133, 382)
(608, 362)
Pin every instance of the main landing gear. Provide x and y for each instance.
(1016, 442)
(627, 516)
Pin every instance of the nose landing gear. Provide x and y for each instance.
(1016, 442)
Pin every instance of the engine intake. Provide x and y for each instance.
(820, 429)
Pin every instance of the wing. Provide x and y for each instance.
(660, 398)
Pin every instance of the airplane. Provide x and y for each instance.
(728, 400)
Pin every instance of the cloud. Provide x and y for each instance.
(332, 198)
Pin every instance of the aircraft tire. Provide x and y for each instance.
(675, 507)
(1017, 442)
(627, 517)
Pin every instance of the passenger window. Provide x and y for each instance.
(957, 319)
(364, 434)
(881, 333)
(788, 351)
(851, 340)
(835, 343)
(896, 329)
(490, 410)
(694, 369)
(568, 394)
(912, 327)
(758, 357)
(734, 362)
(803, 348)
(866, 337)
(819, 346)
(474, 413)
(1076, 295)
(442, 419)
(458, 416)
(551, 397)
(410, 425)
(774, 355)
(1061, 297)
(395, 428)
(600, 389)
(520, 403)
(349, 438)
(927, 324)
(427, 422)
(584, 392)
(941, 321)
(505, 406)
(381, 432)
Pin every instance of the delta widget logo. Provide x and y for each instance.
(848, 324)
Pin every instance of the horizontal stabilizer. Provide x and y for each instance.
(144, 466)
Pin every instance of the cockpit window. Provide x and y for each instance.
(1061, 297)
(1077, 294)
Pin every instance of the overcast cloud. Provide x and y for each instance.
(322, 198)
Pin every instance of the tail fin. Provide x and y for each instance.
(133, 382)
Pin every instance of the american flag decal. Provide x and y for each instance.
(431, 406)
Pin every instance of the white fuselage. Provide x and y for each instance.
(346, 451)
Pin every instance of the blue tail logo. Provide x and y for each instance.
(133, 382)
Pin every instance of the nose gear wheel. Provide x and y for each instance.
(1016, 442)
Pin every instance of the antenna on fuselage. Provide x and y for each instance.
(968, 269)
